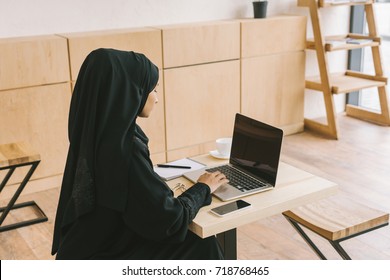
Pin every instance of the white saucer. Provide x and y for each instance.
(218, 155)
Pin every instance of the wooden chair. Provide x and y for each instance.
(336, 221)
(12, 156)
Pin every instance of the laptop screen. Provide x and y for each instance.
(256, 148)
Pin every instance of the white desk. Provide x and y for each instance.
(294, 187)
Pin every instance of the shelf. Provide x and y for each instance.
(344, 42)
(350, 81)
(324, 3)
(347, 82)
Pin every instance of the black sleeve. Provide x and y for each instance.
(152, 211)
(195, 198)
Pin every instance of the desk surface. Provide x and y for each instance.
(294, 187)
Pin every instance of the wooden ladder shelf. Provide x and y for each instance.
(350, 81)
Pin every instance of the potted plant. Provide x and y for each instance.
(260, 8)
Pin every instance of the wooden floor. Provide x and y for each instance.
(359, 162)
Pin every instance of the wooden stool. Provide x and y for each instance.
(335, 221)
(12, 156)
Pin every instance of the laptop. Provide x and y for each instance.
(254, 160)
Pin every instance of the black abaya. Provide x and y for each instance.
(112, 204)
(154, 225)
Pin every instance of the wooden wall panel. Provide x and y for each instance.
(143, 40)
(39, 116)
(201, 102)
(292, 105)
(262, 88)
(190, 44)
(273, 35)
(199, 149)
(273, 88)
(32, 61)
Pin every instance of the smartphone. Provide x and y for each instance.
(231, 207)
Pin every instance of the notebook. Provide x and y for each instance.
(172, 173)
(254, 159)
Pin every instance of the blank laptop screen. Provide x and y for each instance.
(256, 148)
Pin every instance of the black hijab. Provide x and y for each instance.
(111, 90)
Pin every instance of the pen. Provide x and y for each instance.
(173, 166)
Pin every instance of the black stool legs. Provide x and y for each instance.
(11, 204)
(335, 243)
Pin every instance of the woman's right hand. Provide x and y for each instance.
(213, 180)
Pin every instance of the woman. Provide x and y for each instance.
(112, 204)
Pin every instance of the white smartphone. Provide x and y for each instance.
(231, 207)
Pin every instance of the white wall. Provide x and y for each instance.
(36, 17)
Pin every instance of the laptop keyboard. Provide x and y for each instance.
(237, 179)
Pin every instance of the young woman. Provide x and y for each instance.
(112, 204)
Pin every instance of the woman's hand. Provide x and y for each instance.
(213, 180)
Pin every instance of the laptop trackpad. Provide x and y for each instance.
(227, 192)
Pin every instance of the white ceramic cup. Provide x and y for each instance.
(223, 146)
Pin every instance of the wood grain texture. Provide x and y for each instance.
(330, 84)
(201, 102)
(272, 35)
(336, 219)
(293, 187)
(17, 153)
(272, 92)
(33, 61)
(39, 117)
(197, 43)
(143, 40)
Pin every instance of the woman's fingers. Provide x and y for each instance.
(213, 180)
